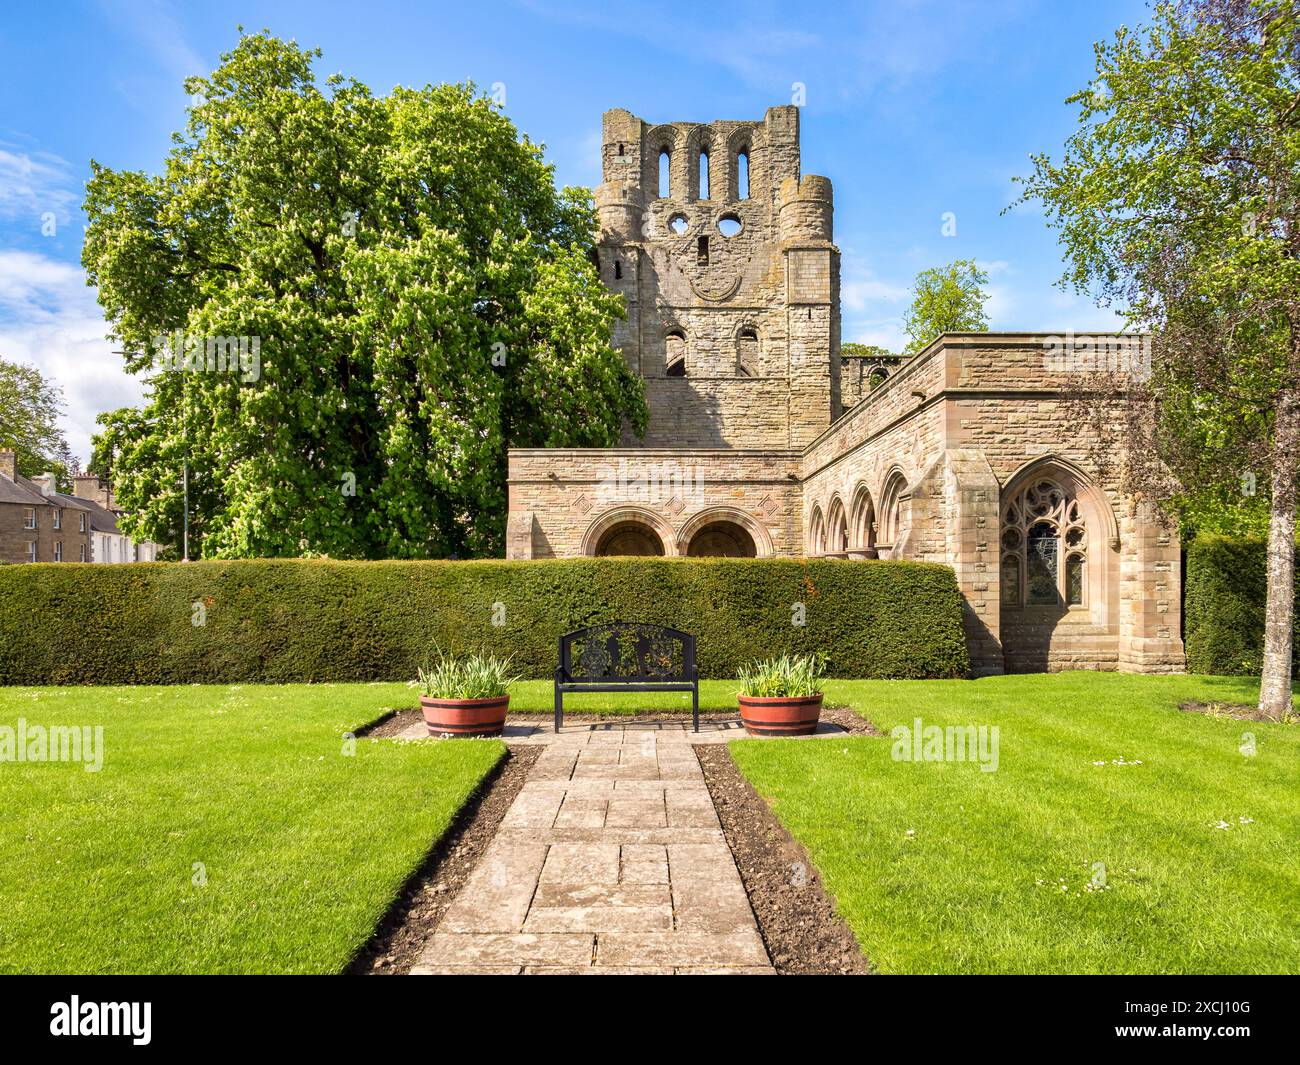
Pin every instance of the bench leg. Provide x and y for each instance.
(559, 710)
(695, 707)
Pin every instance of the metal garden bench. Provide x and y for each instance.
(626, 656)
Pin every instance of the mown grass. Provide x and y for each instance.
(941, 867)
(229, 830)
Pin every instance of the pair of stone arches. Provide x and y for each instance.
(725, 532)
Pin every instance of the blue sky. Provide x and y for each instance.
(913, 108)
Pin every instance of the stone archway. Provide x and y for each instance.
(722, 539)
(629, 538)
(731, 533)
(628, 530)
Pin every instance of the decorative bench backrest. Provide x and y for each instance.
(627, 652)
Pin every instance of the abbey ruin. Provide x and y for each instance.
(764, 440)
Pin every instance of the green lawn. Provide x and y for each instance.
(228, 830)
(941, 867)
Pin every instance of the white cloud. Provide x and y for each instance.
(49, 318)
(999, 306)
(885, 333)
(857, 294)
(34, 185)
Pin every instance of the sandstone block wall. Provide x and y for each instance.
(558, 497)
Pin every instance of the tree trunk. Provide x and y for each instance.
(1275, 682)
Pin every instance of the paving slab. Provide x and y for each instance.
(610, 860)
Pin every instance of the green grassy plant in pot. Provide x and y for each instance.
(466, 695)
(782, 696)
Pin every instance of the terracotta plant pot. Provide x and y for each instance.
(781, 717)
(465, 717)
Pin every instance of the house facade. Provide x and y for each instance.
(40, 524)
(764, 441)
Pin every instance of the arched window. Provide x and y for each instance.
(747, 352)
(665, 174)
(837, 530)
(675, 356)
(862, 525)
(816, 534)
(891, 530)
(742, 174)
(704, 174)
(1044, 548)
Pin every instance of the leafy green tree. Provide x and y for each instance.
(30, 407)
(1177, 201)
(853, 349)
(413, 296)
(946, 299)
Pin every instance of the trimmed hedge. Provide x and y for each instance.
(1227, 582)
(286, 620)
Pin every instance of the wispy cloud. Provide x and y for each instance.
(33, 185)
(49, 318)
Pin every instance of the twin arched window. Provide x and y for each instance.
(1044, 548)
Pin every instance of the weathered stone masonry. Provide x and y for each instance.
(966, 454)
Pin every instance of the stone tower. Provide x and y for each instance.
(723, 253)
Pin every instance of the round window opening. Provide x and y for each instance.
(729, 225)
(678, 224)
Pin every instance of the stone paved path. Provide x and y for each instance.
(610, 860)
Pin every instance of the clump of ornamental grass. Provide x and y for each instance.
(472, 676)
(787, 677)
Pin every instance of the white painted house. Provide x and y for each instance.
(108, 543)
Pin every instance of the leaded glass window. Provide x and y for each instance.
(1041, 555)
(1044, 548)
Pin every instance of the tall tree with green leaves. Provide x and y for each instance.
(30, 406)
(1178, 202)
(348, 307)
(946, 299)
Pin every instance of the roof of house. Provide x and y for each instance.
(101, 518)
(13, 491)
(27, 492)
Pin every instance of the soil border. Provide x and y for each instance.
(400, 935)
(398, 721)
(1235, 711)
(803, 932)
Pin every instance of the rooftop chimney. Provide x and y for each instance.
(9, 464)
(46, 482)
(89, 486)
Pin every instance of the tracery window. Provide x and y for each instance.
(1044, 548)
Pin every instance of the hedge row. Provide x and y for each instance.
(301, 620)
(1227, 582)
